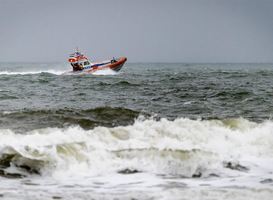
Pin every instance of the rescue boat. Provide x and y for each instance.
(82, 65)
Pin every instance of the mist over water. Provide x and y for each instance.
(151, 131)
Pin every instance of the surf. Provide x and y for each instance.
(182, 147)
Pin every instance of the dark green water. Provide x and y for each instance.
(34, 96)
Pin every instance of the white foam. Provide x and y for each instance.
(181, 147)
(56, 72)
(105, 72)
(73, 161)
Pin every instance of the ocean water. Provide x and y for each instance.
(150, 131)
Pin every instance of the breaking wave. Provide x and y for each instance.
(183, 147)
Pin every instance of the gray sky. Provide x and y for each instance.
(142, 30)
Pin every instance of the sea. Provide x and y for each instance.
(156, 131)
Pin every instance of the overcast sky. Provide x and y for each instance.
(142, 30)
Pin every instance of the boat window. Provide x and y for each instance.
(86, 63)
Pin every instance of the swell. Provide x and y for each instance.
(120, 83)
(26, 120)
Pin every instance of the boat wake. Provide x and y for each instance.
(58, 72)
(31, 72)
(106, 72)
